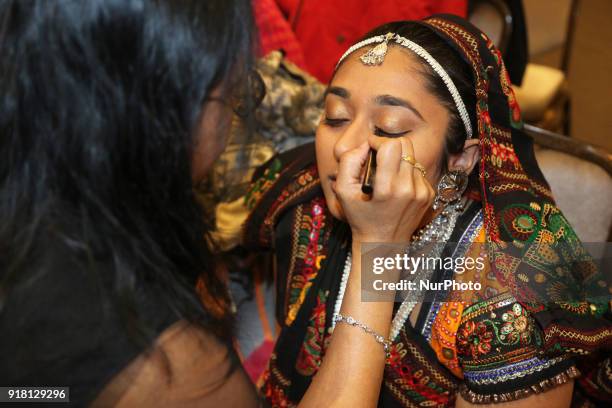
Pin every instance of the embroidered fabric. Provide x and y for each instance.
(542, 386)
(499, 347)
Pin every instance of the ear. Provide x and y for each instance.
(467, 158)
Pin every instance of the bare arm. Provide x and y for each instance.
(352, 370)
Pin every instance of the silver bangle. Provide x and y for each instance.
(356, 323)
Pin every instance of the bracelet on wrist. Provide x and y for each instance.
(356, 323)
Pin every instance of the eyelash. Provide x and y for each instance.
(377, 131)
(381, 133)
(334, 122)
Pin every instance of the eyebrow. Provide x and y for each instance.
(336, 90)
(382, 100)
(389, 100)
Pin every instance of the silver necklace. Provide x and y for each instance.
(437, 231)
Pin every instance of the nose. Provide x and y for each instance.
(352, 136)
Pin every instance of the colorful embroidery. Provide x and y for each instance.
(493, 396)
(308, 254)
(534, 252)
(545, 258)
(259, 187)
(315, 343)
(415, 381)
(498, 342)
(493, 327)
(446, 315)
(517, 327)
(499, 153)
(490, 285)
(474, 339)
(444, 335)
(576, 340)
(515, 112)
(511, 371)
(274, 385)
(303, 182)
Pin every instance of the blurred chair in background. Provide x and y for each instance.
(504, 23)
(580, 177)
(580, 174)
(494, 18)
(543, 94)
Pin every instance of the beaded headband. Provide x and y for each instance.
(376, 56)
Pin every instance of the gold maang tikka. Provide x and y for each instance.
(376, 55)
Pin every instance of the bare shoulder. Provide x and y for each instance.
(186, 367)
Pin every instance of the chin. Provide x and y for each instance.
(336, 210)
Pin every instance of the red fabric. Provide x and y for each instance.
(257, 361)
(325, 29)
(275, 32)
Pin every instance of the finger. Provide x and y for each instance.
(407, 170)
(376, 141)
(424, 192)
(387, 166)
(351, 164)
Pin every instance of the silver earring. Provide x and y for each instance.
(451, 187)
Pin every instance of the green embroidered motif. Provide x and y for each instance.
(315, 342)
(496, 331)
(262, 184)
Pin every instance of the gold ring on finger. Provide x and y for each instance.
(409, 159)
(420, 168)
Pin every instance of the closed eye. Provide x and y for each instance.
(333, 122)
(379, 132)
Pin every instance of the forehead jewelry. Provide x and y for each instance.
(376, 56)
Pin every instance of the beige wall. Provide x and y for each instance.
(546, 23)
(590, 73)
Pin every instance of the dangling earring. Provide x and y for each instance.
(451, 187)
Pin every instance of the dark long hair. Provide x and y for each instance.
(99, 103)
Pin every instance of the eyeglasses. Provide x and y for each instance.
(248, 95)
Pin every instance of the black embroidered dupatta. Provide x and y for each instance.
(530, 239)
(315, 245)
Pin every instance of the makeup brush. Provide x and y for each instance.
(367, 186)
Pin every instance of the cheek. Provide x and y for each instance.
(428, 150)
(210, 140)
(324, 146)
(326, 165)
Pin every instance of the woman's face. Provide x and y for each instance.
(387, 100)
